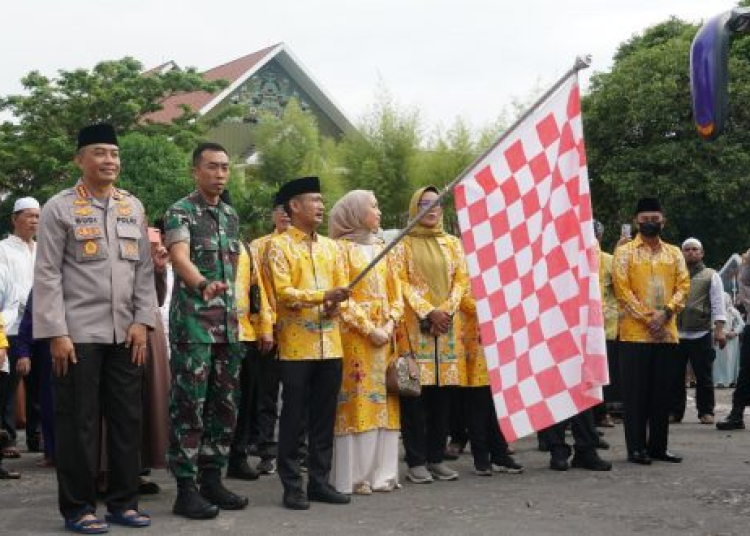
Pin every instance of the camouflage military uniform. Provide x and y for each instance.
(206, 354)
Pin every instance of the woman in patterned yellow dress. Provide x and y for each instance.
(432, 269)
(367, 419)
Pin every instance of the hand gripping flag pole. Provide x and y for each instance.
(582, 62)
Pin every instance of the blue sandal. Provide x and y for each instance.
(136, 519)
(87, 526)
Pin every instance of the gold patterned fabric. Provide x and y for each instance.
(444, 350)
(363, 402)
(476, 365)
(646, 281)
(3, 338)
(252, 326)
(609, 301)
(259, 249)
(303, 268)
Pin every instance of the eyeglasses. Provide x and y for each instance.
(425, 204)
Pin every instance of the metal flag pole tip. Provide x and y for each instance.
(583, 62)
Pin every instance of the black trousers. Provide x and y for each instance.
(104, 382)
(424, 425)
(8, 387)
(585, 436)
(458, 427)
(612, 396)
(741, 395)
(488, 445)
(701, 355)
(646, 374)
(244, 400)
(310, 391)
(264, 368)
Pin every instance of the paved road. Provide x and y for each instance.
(708, 494)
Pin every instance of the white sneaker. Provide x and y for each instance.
(419, 475)
(440, 471)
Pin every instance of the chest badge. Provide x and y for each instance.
(131, 248)
(90, 248)
(84, 211)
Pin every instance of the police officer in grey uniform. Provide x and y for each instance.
(94, 290)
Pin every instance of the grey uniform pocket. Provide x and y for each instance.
(129, 237)
(89, 248)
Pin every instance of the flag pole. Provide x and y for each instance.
(582, 62)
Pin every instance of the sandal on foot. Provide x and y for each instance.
(9, 475)
(136, 519)
(87, 526)
(11, 453)
(45, 463)
(363, 488)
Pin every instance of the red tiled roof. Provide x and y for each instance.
(198, 99)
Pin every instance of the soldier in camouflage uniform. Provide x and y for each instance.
(202, 237)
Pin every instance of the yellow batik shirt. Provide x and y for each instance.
(609, 301)
(252, 326)
(259, 250)
(646, 281)
(445, 350)
(476, 364)
(304, 267)
(363, 402)
(3, 337)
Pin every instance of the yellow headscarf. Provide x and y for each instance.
(427, 254)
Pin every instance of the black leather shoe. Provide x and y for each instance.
(558, 464)
(295, 499)
(214, 492)
(223, 498)
(667, 456)
(241, 470)
(592, 462)
(191, 504)
(327, 494)
(639, 457)
(731, 423)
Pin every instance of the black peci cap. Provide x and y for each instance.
(648, 204)
(303, 185)
(99, 133)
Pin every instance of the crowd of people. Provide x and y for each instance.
(269, 350)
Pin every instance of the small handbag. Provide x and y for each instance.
(253, 293)
(402, 375)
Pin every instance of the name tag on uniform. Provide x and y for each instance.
(86, 232)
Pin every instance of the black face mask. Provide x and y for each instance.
(649, 229)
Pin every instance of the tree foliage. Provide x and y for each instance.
(155, 170)
(288, 146)
(37, 145)
(381, 156)
(641, 141)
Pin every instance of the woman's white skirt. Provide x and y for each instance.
(368, 458)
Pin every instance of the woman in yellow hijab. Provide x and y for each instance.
(432, 269)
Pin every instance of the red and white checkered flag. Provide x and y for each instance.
(526, 224)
